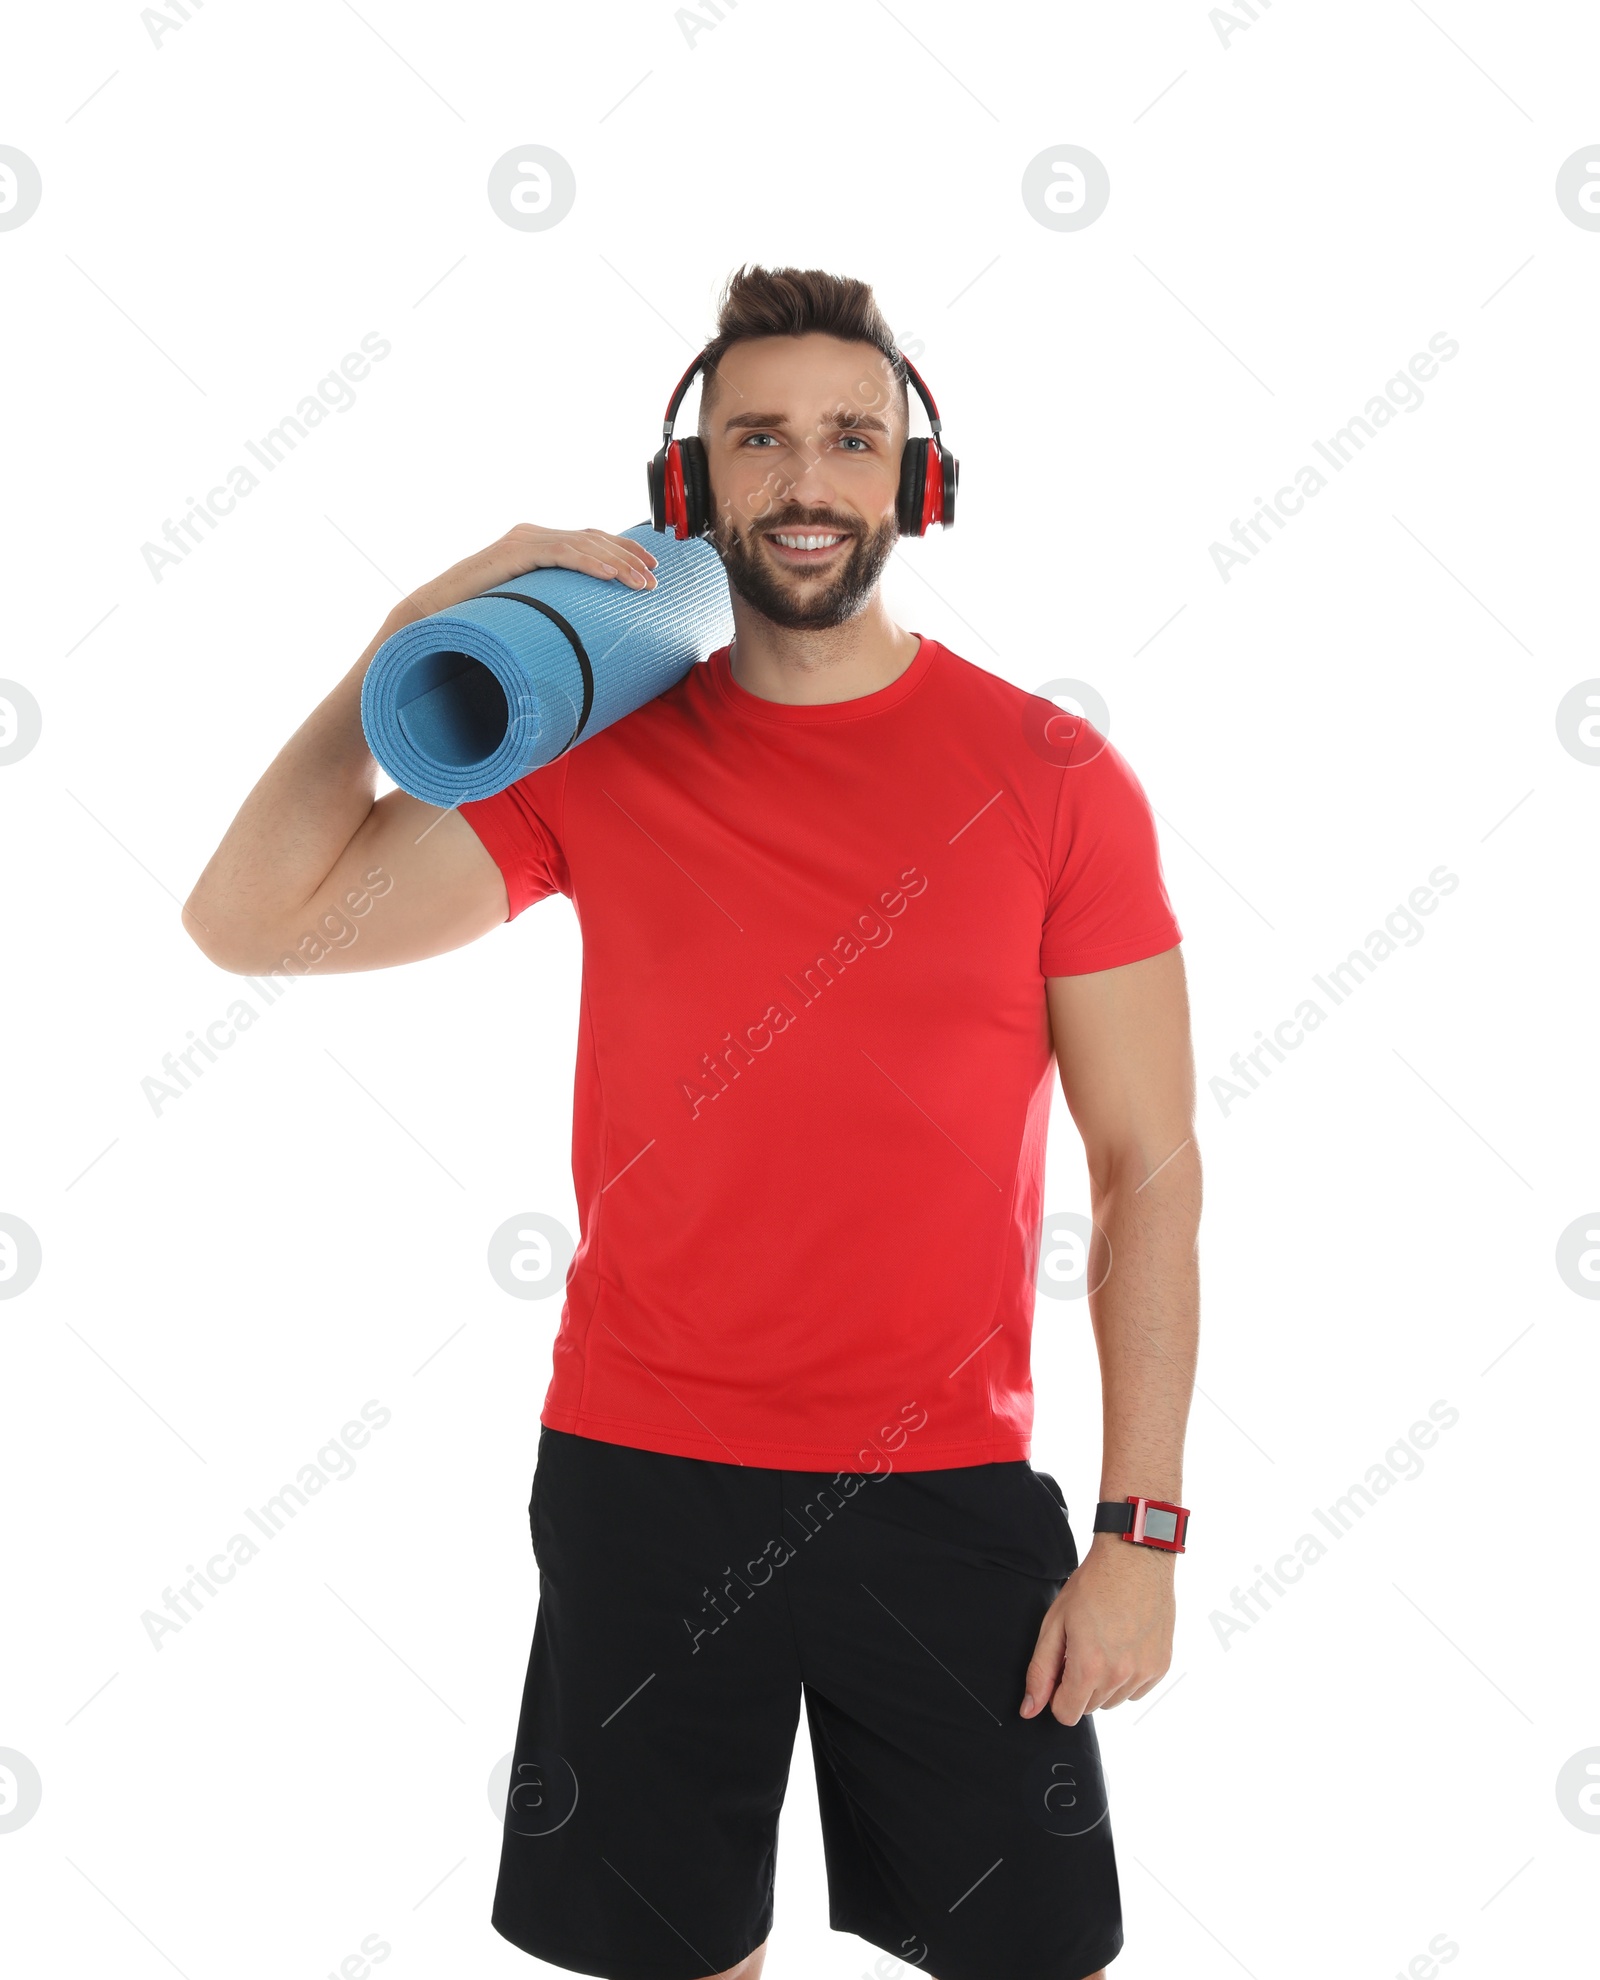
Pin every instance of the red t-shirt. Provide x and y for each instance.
(814, 1064)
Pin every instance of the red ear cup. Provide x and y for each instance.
(665, 475)
(939, 499)
(932, 490)
(927, 492)
(680, 488)
(928, 475)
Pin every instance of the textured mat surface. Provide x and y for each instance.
(461, 704)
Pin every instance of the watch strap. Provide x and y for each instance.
(1154, 1523)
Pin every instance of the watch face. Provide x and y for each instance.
(1160, 1525)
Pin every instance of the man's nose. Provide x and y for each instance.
(809, 476)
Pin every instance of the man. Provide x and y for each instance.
(840, 893)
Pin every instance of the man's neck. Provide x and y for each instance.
(831, 663)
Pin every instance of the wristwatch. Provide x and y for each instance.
(1146, 1522)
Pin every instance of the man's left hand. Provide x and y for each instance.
(1107, 1636)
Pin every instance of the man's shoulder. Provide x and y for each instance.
(623, 738)
(983, 686)
(691, 695)
(977, 697)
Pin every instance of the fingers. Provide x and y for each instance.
(620, 557)
(1044, 1669)
(596, 552)
(1075, 1695)
(629, 548)
(611, 564)
(1102, 1689)
(529, 547)
(1111, 1694)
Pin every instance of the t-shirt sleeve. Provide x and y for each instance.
(1107, 903)
(521, 830)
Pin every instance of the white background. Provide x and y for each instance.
(1296, 207)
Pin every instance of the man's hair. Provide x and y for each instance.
(789, 302)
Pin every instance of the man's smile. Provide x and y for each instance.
(802, 549)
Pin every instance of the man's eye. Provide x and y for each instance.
(757, 436)
(858, 439)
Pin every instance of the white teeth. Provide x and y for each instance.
(808, 542)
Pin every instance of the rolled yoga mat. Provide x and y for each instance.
(459, 705)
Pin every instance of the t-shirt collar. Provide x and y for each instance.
(788, 714)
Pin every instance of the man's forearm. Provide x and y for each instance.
(1146, 1317)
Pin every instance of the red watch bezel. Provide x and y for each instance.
(1136, 1534)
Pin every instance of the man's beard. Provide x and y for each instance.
(812, 606)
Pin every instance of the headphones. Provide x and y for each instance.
(680, 486)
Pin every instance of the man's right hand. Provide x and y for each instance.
(528, 547)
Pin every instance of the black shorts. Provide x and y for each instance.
(684, 1607)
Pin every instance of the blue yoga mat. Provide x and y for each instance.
(459, 705)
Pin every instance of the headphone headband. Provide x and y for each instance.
(676, 400)
(687, 379)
